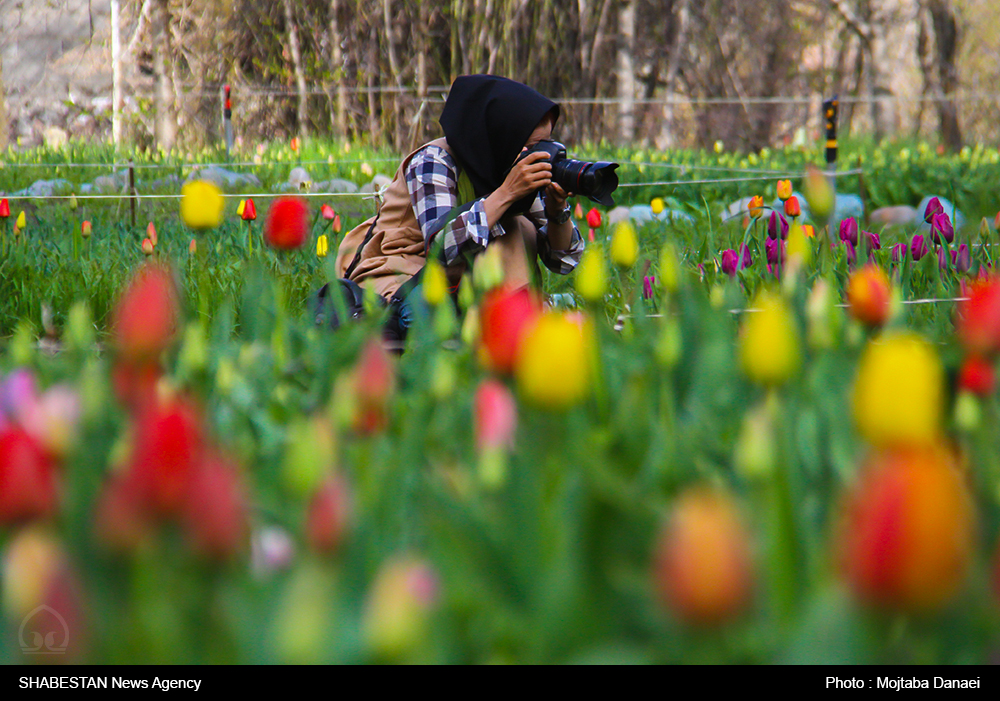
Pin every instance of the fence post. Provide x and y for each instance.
(227, 120)
(131, 188)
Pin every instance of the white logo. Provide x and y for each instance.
(44, 642)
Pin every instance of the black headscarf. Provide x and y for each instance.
(487, 120)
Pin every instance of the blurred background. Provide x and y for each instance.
(667, 73)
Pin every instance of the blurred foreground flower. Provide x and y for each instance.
(703, 568)
(215, 509)
(819, 194)
(397, 613)
(287, 223)
(977, 376)
(27, 477)
(495, 414)
(201, 205)
(899, 391)
(328, 516)
(591, 276)
(169, 445)
(145, 319)
(505, 315)
(555, 361)
(907, 533)
(373, 384)
(624, 245)
(769, 341)
(977, 320)
(869, 295)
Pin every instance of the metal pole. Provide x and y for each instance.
(116, 69)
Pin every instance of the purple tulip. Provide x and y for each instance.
(961, 259)
(918, 247)
(773, 225)
(852, 254)
(941, 227)
(898, 251)
(730, 261)
(647, 286)
(774, 249)
(872, 241)
(849, 231)
(933, 207)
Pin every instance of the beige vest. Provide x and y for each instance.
(395, 252)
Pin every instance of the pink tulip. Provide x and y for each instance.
(941, 228)
(918, 247)
(933, 208)
(849, 231)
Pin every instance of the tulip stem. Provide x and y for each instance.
(249, 238)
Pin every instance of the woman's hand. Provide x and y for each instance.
(528, 175)
(555, 200)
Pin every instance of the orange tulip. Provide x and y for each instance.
(756, 206)
(784, 190)
(869, 295)
(792, 206)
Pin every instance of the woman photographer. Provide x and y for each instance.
(488, 123)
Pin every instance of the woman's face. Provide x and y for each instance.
(542, 131)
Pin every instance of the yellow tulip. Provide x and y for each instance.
(434, 283)
(322, 246)
(657, 205)
(624, 245)
(784, 189)
(591, 275)
(899, 391)
(560, 344)
(769, 341)
(22, 222)
(240, 208)
(201, 205)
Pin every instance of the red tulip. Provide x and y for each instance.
(978, 319)
(328, 515)
(326, 211)
(287, 223)
(594, 218)
(169, 447)
(249, 211)
(215, 510)
(505, 316)
(792, 206)
(336, 224)
(907, 535)
(495, 415)
(146, 316)
(151, 233)
(977, 376)
(27, 477)
(703, 570)
(5, 209)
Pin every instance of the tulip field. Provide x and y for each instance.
(748, 428)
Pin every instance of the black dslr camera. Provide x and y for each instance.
(594, 180)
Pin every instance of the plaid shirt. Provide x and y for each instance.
(432, 179)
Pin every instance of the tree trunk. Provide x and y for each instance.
(945, 51)
(4, 126)
(166, 123)
(667, 137)
(337, 66)
(626, 72)
(302, 114)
